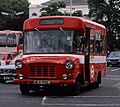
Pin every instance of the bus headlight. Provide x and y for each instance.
(69, 64)
(18, 64)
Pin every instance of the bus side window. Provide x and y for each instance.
(99, 43)
(104, 44)
(92, 38)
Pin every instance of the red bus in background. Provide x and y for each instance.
(6, 57)
(62, 51)
(11, 41)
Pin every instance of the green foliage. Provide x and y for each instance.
(107, 12)
(12, 7)
(77, 13)
(53, 9)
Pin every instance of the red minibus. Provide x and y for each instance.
(61, 51)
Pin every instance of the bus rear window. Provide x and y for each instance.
(51, 21)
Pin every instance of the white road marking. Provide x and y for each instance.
(96, 96)
(116, 69)
(116, 76)
(113, 77)
(43, 100)
(83, 104)
(117, 85)
(87, 97)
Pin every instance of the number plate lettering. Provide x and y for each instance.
(43, 82)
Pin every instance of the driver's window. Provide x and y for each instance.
(77, 43)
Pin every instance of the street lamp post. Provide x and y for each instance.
(70, 7)
(12, 15)
(4, 13)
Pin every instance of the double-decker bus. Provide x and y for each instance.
(11, 41)
(62, 51)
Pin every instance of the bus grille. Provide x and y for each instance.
(42, 70)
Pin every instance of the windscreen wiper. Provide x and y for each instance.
(40, 32)
(66, 34)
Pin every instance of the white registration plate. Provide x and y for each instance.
(42, 82)
(9, 78)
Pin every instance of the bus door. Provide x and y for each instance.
(87, 56)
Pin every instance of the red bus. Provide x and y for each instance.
(62, 51)
(11, 41)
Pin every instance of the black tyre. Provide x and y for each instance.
(24, 89)
(93, 85)
(97, 83)
(76, 88)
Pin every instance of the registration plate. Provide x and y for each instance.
(9, 78)
(42, 82)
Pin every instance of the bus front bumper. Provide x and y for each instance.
(45, 82)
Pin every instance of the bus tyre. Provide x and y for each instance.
(76, 88)
(94, 85)
(97, 83)
(24, 89)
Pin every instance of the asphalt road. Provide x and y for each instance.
(107, 95)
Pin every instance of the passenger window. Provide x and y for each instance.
(92, 38)
(99, 43)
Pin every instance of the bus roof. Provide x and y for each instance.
(10, 32)
(93, 24)
(70, 22)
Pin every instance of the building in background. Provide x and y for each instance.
(34, 10)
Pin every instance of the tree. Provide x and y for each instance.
(77, 13)
(12, 7)
(53, 9)
(107, 12)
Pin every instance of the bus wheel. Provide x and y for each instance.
(24, 89)
(97, 83)
(94, 85)
(76, 88)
